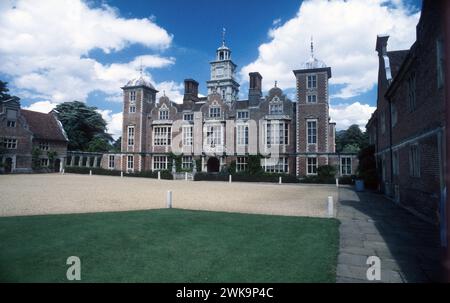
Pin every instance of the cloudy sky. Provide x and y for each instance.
(54, 51)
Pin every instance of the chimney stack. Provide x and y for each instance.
(255, 88)
(190, 90)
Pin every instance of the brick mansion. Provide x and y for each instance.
(214, 131)
(293, 137)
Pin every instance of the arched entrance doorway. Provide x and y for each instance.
(57, 164)
(213, 165)
(8, 165)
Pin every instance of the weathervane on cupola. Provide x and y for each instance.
(312, 62)
(223, 36)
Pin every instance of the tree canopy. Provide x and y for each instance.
(84, 126)
(351, 140)
(117, 145)
(4, 91)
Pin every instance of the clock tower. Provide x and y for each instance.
(223, 71)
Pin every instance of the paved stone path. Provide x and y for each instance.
(371, 225)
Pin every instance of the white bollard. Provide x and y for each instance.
(230, 179)
(63, 171)
(337, 182)
(121, 174)
(169, 199)
(279, 180)
(330, 207)
(159, 175)
(90, 172)
(185, 176)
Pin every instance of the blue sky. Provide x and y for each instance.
(179, 39)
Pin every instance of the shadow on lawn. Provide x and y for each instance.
(395, 234)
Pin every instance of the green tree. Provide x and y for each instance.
(99, 144)
(351, 140)
(117, 145)
(82, 124)
(4, 91)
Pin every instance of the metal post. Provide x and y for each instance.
(185, 176)
(330, 207)
(121, 174)
(169, 199)
(230, 178)
(159, 175)
(280, 180)
(90, 172)
(337, 182)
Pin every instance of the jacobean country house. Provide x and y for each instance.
(408, 125)
(209, 132)
(214, 131)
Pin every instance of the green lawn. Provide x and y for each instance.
(169, 245)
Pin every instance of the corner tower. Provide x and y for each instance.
(314, 130)
(139, 96)
(223, 72)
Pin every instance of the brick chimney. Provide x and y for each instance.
(255, 92)
(190, 90)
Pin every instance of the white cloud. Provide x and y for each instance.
(114, 122)
(172, 90)
(72, 27)
(344, 35)
(41, 106)
(347, 114)
(48, 46)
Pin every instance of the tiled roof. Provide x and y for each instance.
(241, 104)
(396, 59)
(43, 126)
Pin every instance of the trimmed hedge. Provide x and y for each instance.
(242, 177)
(165, 174)
(107, 172)
(95, 171)
(318, 180)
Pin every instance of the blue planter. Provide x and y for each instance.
(359, 185)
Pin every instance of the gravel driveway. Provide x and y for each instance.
(70, 193)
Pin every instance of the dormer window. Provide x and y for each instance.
(242, 114)
(163, 114)
(312, 81)
(214, 112)
(188, 117)
(275, 108)
(132, 95)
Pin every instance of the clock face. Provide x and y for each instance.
(219, 71)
